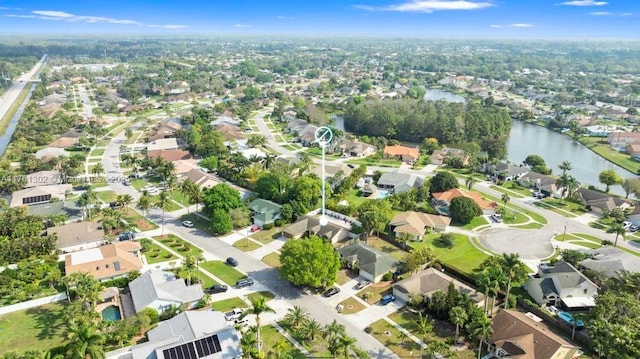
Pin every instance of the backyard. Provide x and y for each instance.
(40, 327)
(462, 256)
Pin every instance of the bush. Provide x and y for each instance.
(279, 222)
(152, 314)
(445, 240)
(368, 330)
(387, 276)
(267, 226)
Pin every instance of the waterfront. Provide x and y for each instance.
(437, 95)
(527, 139)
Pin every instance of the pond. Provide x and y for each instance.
(437, 95)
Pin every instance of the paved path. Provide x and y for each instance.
(10, 95)
(266, 132)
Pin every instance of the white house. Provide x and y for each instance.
(561, 285)
(160, 290)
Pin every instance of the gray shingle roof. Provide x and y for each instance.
(160, 285)
(369, 259)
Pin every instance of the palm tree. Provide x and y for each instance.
(258, 307)
(565, 166)
(145, 202)
(333, 332)
(403, 239)
(425, 326)
(296, 316)
(513, 267)
(85, 342)
(505, 199)
(482, 330)
(125, 200)
(280, 348)
(347, 344)
(88, 198)
(470, 181)
(483, 281)
(189, 264)
(305, 163)
(458, 317)
(563, 182)
(268, 161)
(248, 344)
(185, 188)
(311, 329)
(619, 230)
(163, 202)
(98, 168)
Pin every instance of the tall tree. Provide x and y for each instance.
(565, 166)
(309, 262)
(482, 330)
(619, 230)
(515, 270)
(258, 307)
(469, 181)
(609, 178)
(631, 186)
(163, 202)
(443, 181)
(296, 316)
(424, 326)
(145, 202)
(85, 342)
(457, 316)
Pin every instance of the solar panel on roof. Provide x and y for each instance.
(194, 350)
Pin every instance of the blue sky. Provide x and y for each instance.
(432, 18)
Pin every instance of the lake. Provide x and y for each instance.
(437, 95)
(526, 139)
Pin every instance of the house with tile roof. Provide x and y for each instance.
(205, 333)
(442, 200)
(77, 236)
(516, 335)
(561, 285)
(402, 153)
(356, 148)
(106, 262)
(416, 224)
(200, 178)
(371, 263)
(431, 280)
(397, 182)
(610, 261)
(309, 224)
(170, 155)
(40, 194)
(161, 290)
(264, 211)
(163, 144)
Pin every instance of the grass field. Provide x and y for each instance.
(138, 220)
(179, 245)
(603, 149)
(228, 304)
(262, 294)
(463, 256)
(272, 260)
(270, 336)
(266, 236)
(226, 273)
(475, 222)
(198, 222)
(246, 245)
(6, 119)
(107, 196)
(389, 336)
(97, 152)
(158, 254)
(351, 306)
(40, 327)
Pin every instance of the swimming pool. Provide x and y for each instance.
(111, 313)
(383, 194)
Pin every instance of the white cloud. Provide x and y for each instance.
(170, 26)
(584, 3)
(495, 26)
(284, 18)
(242, 25)
(626, 14)
(521, 25)
(430, 6)
(600, 13)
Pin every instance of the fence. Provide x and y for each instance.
(33, 303)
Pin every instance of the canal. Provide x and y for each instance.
(526, 139)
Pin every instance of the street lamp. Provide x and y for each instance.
(323, 136)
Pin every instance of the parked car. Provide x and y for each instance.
(232, 262)
(496, 217)
(126, 183)
(127, 236)
(387, 298)
(330, 292)
(633, 228)
(255, 228)
(627, 225)
(187, 224)
(362, 284)
(233, 315)
(217, 288)
(247, 282)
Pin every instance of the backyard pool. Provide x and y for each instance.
(111, 313)
(383, 194)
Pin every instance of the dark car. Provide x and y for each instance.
(232, 261)
(330, 292)
(247, 282)
(217, 288)
(388, 298)
(127, 236)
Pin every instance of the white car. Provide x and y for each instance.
(187, 224)
(233, 315)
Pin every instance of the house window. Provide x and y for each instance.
(585, 291)
(97, 267)
(106, 266)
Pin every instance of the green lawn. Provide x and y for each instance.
(180, 198)
(351, 306)
(387, 247)
(475, 222)
(138, 184)
(588, 236)
(513, 217)
(532, 225)
(270, 336)
(355, 198)
(158, 254)
(375, 162)
(272, 260)
(35, 328)
(171, 207)
(198, 222)
(221, 270)
(142, 223)
(345, 275)
(317, 348)
(386, 334)
(534, 216)
(463, 256)
(228, 304)
(586, 244)
(267, 295)
(97, 152)
(377, 291)
(206, 280)
(266, 236)
(107, 196)
(246, 245)
(604, 149)
(179, 245)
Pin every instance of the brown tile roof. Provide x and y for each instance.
(202, 179)
(229, 131)
(402, 151)
(415, 222)
(447, 196)
(527, 338)
(105, 262)
(431, 280)
(170, 155)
